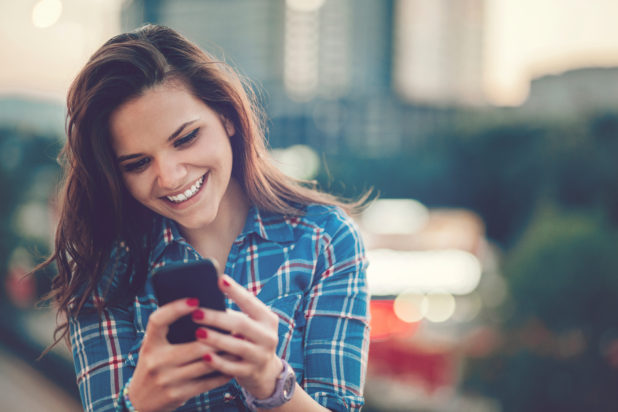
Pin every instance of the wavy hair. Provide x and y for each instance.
(96, 209)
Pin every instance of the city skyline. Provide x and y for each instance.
(522, 40)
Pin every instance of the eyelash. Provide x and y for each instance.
(135, 166)
(186, 139)
(142, 163)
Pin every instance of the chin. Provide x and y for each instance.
(195, 223)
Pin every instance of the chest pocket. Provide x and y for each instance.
(291, 322)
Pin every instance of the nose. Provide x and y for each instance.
(171, 174)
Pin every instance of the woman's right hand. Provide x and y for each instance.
(167, 375)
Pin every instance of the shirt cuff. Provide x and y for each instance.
(119, 402)
(334, 403)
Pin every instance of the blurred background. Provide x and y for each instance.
(489, 128)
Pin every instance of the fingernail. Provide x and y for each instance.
(193, 302)
(207, 357)
(197, 315)
(226, 283)
(238, 336)
(201, 334)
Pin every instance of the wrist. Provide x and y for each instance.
(281, 393)
(265, 385)
(125, 399)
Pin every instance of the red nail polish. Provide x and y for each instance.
(193, 302)
(207, 357)
(197, 315)
(238, 336)
(226, 283)
(201, 334)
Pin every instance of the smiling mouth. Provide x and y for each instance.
(187, 194)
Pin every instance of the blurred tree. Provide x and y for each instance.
(28, 175)
(586, 171)
(561, 335)
(500, 173)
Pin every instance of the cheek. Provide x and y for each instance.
(135, 187)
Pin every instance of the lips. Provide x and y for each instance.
(189, 193)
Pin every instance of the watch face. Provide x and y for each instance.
(288, 385)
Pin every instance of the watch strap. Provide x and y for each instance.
(284, 390)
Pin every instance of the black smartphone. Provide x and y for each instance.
(188, 280)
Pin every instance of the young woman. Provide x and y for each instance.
(166, 162)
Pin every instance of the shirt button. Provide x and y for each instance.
(228, 397)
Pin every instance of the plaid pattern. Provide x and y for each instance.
(309, 270)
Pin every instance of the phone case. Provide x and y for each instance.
(188, 280)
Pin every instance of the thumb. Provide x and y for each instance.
(164, 316)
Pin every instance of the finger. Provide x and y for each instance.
(238, 368)
(229, 346)
(233, 321)
(184, 353)
(245, 300)
(199, 368)
(193, 370)
(160, 319)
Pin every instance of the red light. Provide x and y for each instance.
(385, 323)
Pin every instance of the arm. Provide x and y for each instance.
(100, 346)
(336, 305)
(337, 313)
(254, 363)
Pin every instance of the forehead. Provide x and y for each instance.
(154, 115)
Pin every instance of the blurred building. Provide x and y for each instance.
(326, 67)
(439, 51)
(580, 91)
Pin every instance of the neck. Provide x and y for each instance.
(215, 240)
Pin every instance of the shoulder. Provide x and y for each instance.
(332, 225)
(330, 219)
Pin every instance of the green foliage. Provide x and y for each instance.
(564, 271)
(563, 278)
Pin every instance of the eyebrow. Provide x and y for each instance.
(169, 139)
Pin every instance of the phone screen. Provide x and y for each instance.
(188, 280)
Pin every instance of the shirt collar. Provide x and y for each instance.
(165, 232)
(269, 226)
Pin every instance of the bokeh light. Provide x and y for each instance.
(46, 13)
(395, 216)
(297, 161)
(408, 306)
(438, 307)
(453, 271)
(304, 5)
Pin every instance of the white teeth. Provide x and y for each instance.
(187, 194)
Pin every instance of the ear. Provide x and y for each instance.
(229, 126)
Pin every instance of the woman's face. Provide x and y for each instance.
(174, 153)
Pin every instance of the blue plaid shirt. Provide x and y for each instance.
(310, 270)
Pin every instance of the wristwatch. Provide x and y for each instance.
(284, 389)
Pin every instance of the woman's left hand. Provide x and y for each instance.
(252, 341)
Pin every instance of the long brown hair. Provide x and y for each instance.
(96, 209)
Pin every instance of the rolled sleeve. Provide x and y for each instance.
(337, 332)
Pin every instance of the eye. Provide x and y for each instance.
(137, 166)
(187, 138)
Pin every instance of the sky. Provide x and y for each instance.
(523, 39)
(42, 62)
(529, 38)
